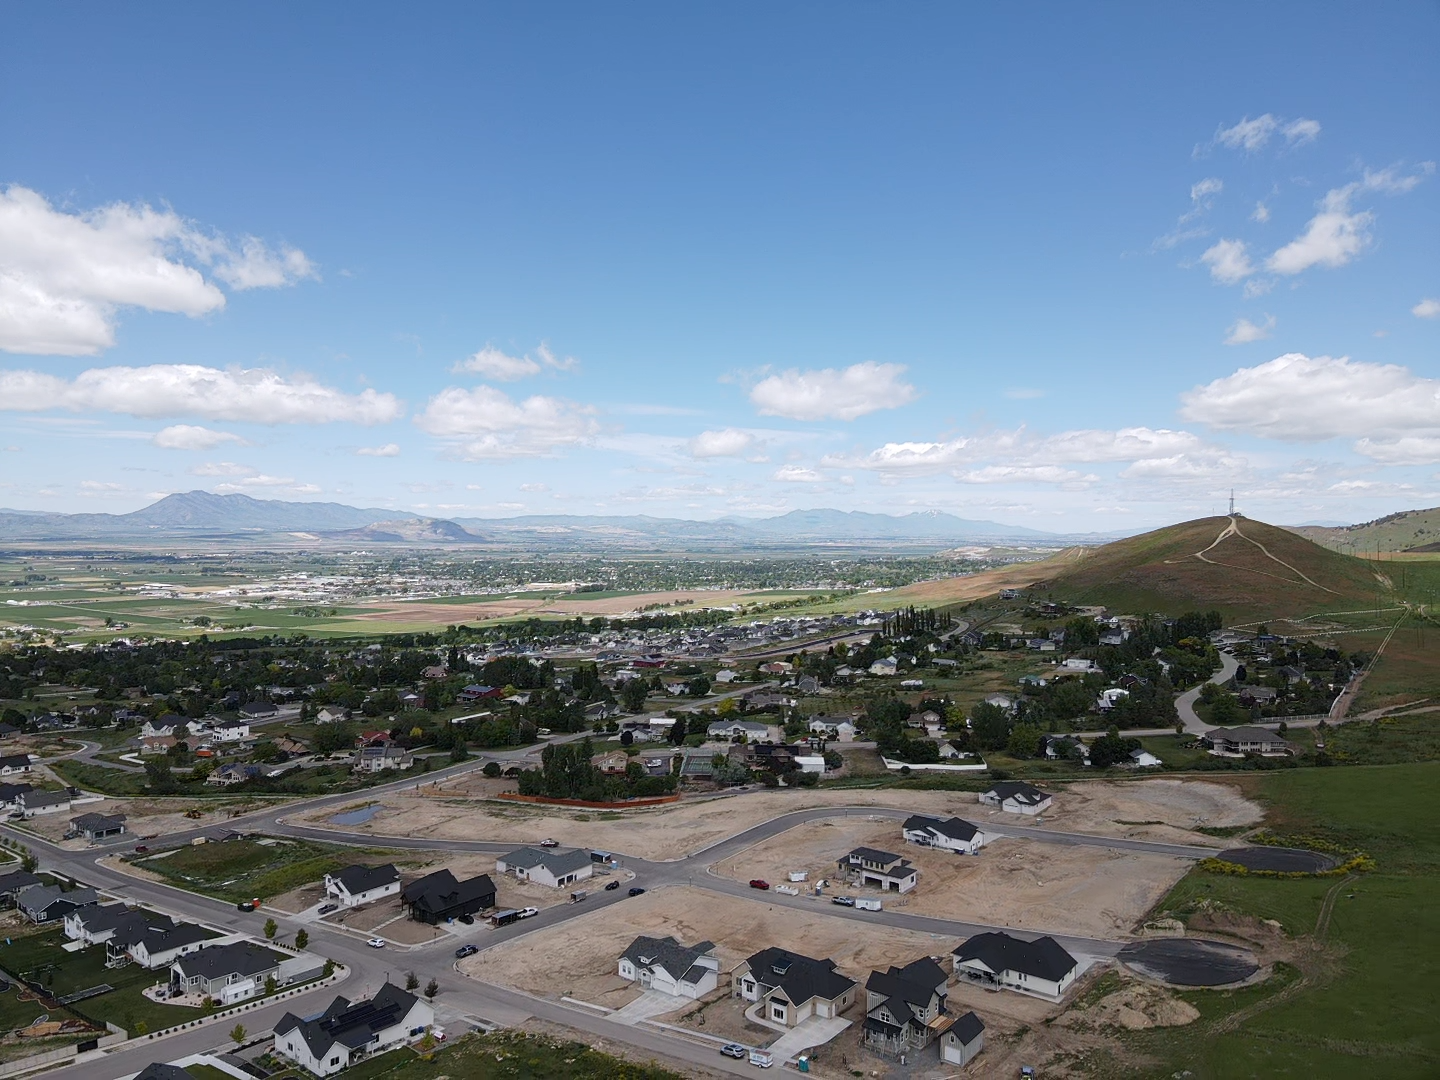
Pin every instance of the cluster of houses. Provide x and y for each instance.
(435, 898)
(906, 1009)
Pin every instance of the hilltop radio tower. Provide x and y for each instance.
(1232, 503)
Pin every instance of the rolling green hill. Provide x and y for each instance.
(1410, 530)
(1248, 571)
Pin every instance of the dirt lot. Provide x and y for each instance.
(1164, 810)
(1088, 892)
(145, 817)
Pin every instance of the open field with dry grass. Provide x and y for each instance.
(1087, 892)
(538, 606)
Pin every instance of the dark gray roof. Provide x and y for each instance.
(1044, 958)
(1015, 789)
(42, 897)
(967, 1028)
(358, 879)
(9, 792)
(17, 880)
(666, 953)
(158, 934)
(875, 855)
(559, 863)
(161, 1071)
(799, 977)
(1243, 734)
(955, 828)
(15, 761)
(351, 1024)
(908, 990)
(238, 958)
(97, 822)
(440, 891)
(33, 799)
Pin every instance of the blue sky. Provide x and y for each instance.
(1070, 269)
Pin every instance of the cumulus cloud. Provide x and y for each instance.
(1301, 399)
(486, 423)
(831, 394)
(390, 449)
(797, 474)
(728, 442)
(495, 364)
(257, 395)
(1406, 450)
(64, 276)
(1244, 331)
(1426, 309)
(1023, 474)
(1331, 238)
(191, 437)
(1252, 135)
(1228, 261)
(1261, 213)
(223, 468)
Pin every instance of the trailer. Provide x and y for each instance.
(788, 890)
(798, 875)
(504, 918)
(864, 904)
(576, 897)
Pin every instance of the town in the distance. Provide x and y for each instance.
(282, 806)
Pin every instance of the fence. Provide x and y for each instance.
(628, 804)
(900, 766)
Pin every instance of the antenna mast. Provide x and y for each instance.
(1232, 502)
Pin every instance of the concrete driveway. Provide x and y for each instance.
(816, 1031)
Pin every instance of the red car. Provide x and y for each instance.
(759, 883)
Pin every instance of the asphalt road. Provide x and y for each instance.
(1185, 703)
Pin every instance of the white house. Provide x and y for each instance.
(330, 715)
(953, 834)
(834, 727)
(1143, 759)
(964, 1040)
(152, 729)
(357, 885)
(348, 1031)
(1041, 967)
(725, 675)
(689, 971)
(885, 666)
(233, 731)
(1108, 699)
(1015, 797)
(13, 764)
(885, 869)
(751, 730)
(553, 867)
(36, 803)
(1085, 667)
(810, 763)
(793, 987)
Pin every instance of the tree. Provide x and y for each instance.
(491, 769)
(270, 985)
(633, 694)
(458, 752)
(328, 969)
(627, 738)
(1024, 741)
(302, 938)
(207, 1006)
(270, 929)
(431, 989)
(411, 980)
(238, 1033)
(158, 776)
(1110, 748)
(28, 862)
(698, 686)
(991, 726)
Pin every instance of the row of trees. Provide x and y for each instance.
(567, 772)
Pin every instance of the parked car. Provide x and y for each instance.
(526, 912)
(612, 886)
(843, 901)
(549, 842)
(759, 883)
(636, 891)
(468, 920)
(248, 905)
(140, 849)
(326, 909)
(466, 950)
(376, 943)
(734, 1050)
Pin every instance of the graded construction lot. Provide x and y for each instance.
(1151, 809)
(1084, 891)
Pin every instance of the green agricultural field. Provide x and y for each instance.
(1367, 997)
(241, 869)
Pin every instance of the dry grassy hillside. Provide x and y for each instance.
(1410, 530)
(1252, 570)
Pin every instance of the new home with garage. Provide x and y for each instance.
(1016, 797)
(356, 885)
(349, 1031)
(50, 903)
(439, 896)
(950, 834)
(905, 1007)
(999, 961)
(227, 973)
(792, 988)
(686, 971)
(547, 866)
(884, 869)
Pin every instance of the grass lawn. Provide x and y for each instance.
(1372, 999)
(241, 869)
(507, 1055)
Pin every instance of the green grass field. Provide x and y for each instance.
(241, 869)
(506, 1055)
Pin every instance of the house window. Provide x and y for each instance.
(777, 1012)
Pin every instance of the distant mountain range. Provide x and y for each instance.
(199, 514)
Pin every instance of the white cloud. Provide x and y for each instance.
(264, 481)
(1298, 398)
(486, 423)
(63, 276)
(1024, 474)
(492, 363)
(1332, 237)
(1428, 308)
(1228, 262)
(1252, 135)
(191, 437)
(223, 468)
(830, 394)
(258, 395)
(1406, 450)
(797, 474)
(1261, 213)
(1244, 331)
(1202, 198)
(1202, 466)
(728, 442)
(1125, 444)
(390, 449)
(1204, 192)
(98, 487)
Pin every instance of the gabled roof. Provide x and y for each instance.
(666, 953)
(966, 1028)
(238, 958)
(351, 1024)
(558, 863)
(1044, 958)
(955, 828)
(16, 880)
(158, 934)
(1243, 734)
(908, 990)
(358, 879)
(34, 799)
(41, 897)
(874, 855)
(440, 891)
(15, 761)
(1020, 792)
(88, 822)
(798, 977)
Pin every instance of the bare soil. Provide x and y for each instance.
(1160, 810)
(147, 817)
(1087, 892)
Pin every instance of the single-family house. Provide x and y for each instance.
(1003, 702)
(951, 750)
(1075, 663)
(884, 667)
(951, 834)
(833, 727)
(964, 1040)
(749, 730)
(152, 745)
(611, 763)
(36, 803)
(13, 883)
(725, 675)
(14, 764)
(374, 759)
(155, 942)
(1065, 748)
(233, 773)
(439, 896)
(332, 715)
(1016, 797)
(258, 710)
(8, 731)
(10, 796)
(792, 987)
(689, 971)
(50, 903)
(356, 885)
(152, 729)
(1041, 967)
(869, 866)
(97, 923)
(475, 692)
(1143, 759)
(98, 826)
(232, 731)
(1236, 741)
(347, 1031)
(227, 973)
(905, 1007)
(1258, 695)
(554, 867)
